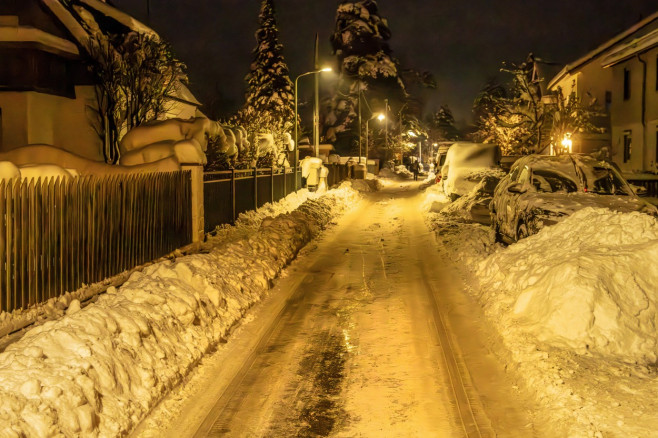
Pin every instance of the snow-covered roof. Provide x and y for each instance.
(81, 36)
(121, 17)
(183, 94)
(630, 49)
(46, 41)
(600, 50)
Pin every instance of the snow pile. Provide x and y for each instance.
(370, 184)
(98, 370)
(479, 174)
(587, 283)
(401, 171)
(466, 241)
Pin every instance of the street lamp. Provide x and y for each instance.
(379, 117)
(296, 122)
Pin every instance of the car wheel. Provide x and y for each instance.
(522, 232)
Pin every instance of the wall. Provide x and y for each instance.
(30, 117)
(627, 114)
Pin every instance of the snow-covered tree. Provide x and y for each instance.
(572, 116)
(365, 64)
(443, 125)
(269, 105)
(514, 117)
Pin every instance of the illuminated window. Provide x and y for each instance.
(627, 145)
(627, 84)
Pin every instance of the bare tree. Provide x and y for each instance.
(135, 76)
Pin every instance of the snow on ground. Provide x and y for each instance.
(98, 370)
(576, 307)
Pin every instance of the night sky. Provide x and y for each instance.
(461, 42)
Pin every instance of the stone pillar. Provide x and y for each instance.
(196, 171)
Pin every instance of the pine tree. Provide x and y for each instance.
(366, 64)
(269, 98)
(443, 123)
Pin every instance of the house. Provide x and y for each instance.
(621, 76)
(47, 95)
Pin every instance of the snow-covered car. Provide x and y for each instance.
(541, 190)
(465, 165)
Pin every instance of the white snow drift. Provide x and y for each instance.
(588, 283)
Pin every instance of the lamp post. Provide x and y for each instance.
(379, 117)
(296, 121)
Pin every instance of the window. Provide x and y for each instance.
(627, 145)
(548, 181)
(627, 84)
(608, 182)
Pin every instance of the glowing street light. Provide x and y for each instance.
(296, 121)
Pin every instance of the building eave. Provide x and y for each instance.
(569, 68)
(25, 35)
(627, 51)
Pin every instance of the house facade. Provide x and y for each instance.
(620, 76)
(634, 69)
(46, 94)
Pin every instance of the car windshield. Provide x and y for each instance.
(549, 181)
(606, 181)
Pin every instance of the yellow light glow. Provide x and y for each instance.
(411, 134)
(567, 144)
(326, 69)
(381, 117)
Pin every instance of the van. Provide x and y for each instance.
(464, 166)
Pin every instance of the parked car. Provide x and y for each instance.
(465, 165)
(541, 190)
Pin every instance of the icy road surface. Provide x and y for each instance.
(369, 334)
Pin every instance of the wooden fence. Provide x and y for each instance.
(255, 187)
(56, 234)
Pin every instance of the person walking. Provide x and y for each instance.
(415, 169)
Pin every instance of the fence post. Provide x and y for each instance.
(285, 182)
(196, 173)
(272, 185)
(255, 188)
(233, 191)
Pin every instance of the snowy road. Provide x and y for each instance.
(368, 334)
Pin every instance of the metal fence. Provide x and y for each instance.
(56, 234)
(255, 187)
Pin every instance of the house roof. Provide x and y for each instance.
(74, 24)
(630, 49)
(569, 68)
(31, 36)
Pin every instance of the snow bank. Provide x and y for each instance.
(98, 370)
(587, 283)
